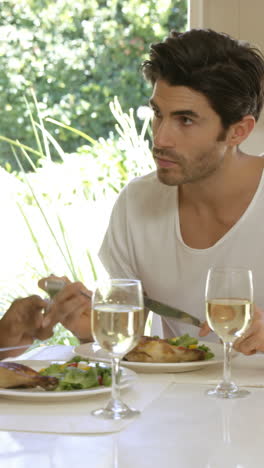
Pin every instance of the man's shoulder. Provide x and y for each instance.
(146, 180)
(147, 194)
(139, 186)
(144, 187)
(148, 183)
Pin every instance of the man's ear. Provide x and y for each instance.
(239, 131)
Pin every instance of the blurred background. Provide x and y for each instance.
(74, 129)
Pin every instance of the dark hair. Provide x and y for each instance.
(228, 72)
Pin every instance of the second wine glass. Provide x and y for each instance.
(117, 325)
(229, 308)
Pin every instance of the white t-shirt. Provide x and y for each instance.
(144, 241)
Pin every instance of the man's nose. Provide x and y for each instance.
(162, 135)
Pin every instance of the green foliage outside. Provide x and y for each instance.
(70, 154)
(76, 56)
(61, 208)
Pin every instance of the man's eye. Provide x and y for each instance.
(186, 120)
(156, 113)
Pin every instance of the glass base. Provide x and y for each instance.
(116, 410)
(227, 390)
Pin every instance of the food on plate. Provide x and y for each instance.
(13, 374)
(75, 374)
(78, 374)
(178, 349)
(192, 343)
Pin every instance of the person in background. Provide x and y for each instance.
(70, 306)
(204, 204)
(21, 324)
(33, 318)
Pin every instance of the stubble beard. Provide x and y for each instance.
(203, 166)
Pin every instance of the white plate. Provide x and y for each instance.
(39, 394)
(95, 353)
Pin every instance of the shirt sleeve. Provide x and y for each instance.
(116, 252)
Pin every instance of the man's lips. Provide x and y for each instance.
(165, 162)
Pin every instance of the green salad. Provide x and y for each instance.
(188, 341)
(78, 374)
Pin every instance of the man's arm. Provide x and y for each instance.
(71, 308)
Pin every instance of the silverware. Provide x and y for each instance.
(168, 311)
(43, 344)
(11, 348)
(55, 285)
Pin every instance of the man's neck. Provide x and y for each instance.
(237, 175)
(214, 205)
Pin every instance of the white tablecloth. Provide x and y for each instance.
(74, 417)
(247, 371)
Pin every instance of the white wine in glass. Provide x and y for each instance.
(117, 325)
(229, 307)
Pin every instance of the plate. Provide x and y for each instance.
(39, 394)
(94, 352)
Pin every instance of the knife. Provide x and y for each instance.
(168, 311)
(54, 285)
(11, 348)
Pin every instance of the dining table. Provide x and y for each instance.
(179, 425)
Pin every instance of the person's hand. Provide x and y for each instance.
(22, 323)
(70, 307)
(253, 339)
(204, 330)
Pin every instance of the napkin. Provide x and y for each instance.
(48, 352)
(75, 416)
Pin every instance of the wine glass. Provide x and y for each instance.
(229, 309)
(117, 325)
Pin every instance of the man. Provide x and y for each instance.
(204, 205)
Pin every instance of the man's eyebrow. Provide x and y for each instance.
(185, 112)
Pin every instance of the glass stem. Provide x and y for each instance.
(115, 378)
(227, 363)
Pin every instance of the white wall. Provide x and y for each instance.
(241, 19)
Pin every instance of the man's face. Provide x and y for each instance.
(188, 138)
